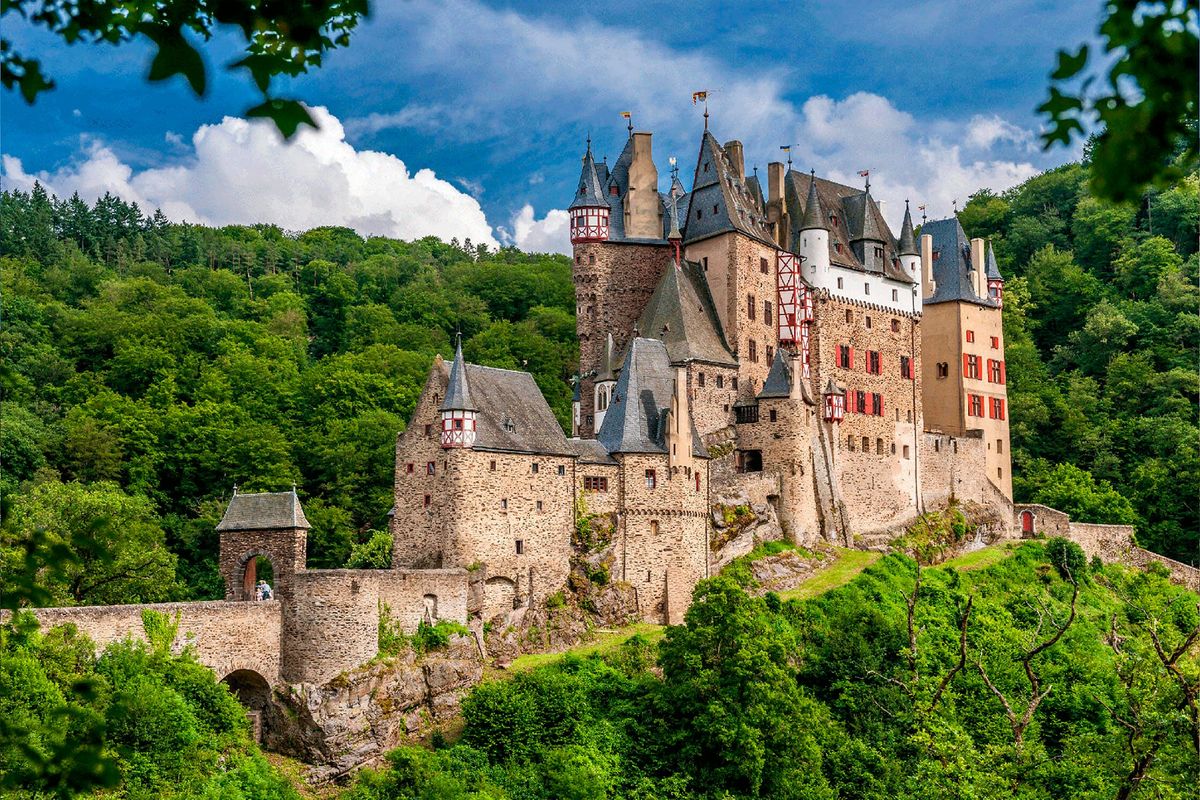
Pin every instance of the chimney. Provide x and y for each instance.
(882, 208)
(643, 208)
(978, 248)
(774, 182)
(930, 285)
(733, 149)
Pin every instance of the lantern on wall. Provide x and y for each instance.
(835, 402)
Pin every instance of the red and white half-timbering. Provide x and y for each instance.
(589, 224)
(458, 428)
(794, 297)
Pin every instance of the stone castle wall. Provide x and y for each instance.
(286, 549)
(662, 536)
(330, 624)
(613, 283)
(787, 456)
(224, 636)
(876, 457)
(712, 392)
(419, 530)
(414, 596)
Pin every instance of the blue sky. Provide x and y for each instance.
(467, 118)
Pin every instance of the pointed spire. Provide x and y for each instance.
(458, 392)
(590, 194)
(992, 272)
(908, 241)
(813, 218)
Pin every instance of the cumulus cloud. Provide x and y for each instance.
(550, 234)
(241, 172)
(583, 65)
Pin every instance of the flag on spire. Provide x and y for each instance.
(864, 173)
(698, 96)
(626, 115)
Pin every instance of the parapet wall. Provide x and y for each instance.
(412, 594)
(224, 636)
(1114, 543)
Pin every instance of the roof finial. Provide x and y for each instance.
(629, 116)
(697, 97)
(589, 143)
(235, 488)
(955, 201)
(921, 208)
(787, 148)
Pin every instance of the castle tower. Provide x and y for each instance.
(589, 211)
(458, 409)
(909, 255)
(813, 239)
(963, 380)
(619, 242)
(605, 380)
(269, 525)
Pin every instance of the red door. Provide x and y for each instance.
(1026, 522)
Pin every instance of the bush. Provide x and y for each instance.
(437, 636)
(374, 553)
(1067, 557)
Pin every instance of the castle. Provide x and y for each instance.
(783, 350)
(783, 347)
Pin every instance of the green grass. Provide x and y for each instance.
(979, 559)
(599, 644)
(846, 565)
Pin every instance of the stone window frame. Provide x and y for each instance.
(720, 381)
(538, 506)
(431, 468)
(752, 351)
(768, 311)
(535, 467)
(762, 266)
(867, 321)
(492, 465)
(866, 444)
(651, 479)
(850, 442)
(655, 528)
(943, 369)
(906, 453)
(906, 370)
(429, 431)
(520, 546)
(428, 501)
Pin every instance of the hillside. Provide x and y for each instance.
(899, 684)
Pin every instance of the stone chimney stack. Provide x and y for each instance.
(928, 284)
(978, 249)
(775, 210)
(643, 208)
(733, 149)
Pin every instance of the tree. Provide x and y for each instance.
(120, 555)
(280, 39)
(1147, 102)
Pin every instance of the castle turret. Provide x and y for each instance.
(589, 210)
(458, 409)
(910, 255)
(813, 235)
(995, 281)
(605, 380)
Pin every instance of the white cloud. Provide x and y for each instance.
(243, 172)
(550, 234)
(510, 76)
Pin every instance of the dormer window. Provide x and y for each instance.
(612, 190)
(508, 425)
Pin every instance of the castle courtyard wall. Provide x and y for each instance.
(411, 595)
(330, 624)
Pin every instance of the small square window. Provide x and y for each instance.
(536, 467)
(772, 415)
(562, 470)
(504, 504)
(429, 430)
(430, 468)
(970, 336)
(539, 505)
(651, 479)
(700, 379)
(895, 326)
(839, 279)
(492, 465)
(409, 468)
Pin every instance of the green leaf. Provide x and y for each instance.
(176, 56)
(288, 115)
(261, 67)
(1069, 65)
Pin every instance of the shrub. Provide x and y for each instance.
(1067, 557)
(437, 636)
(374, 553)
(391, 638)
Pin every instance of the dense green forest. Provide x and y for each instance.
(151, 365)
(902, 684)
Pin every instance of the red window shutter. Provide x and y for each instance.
(1002, 372)
(966, 361)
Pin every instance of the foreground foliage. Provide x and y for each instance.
(872, 690)
(137, 721)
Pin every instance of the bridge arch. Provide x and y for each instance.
(253, 691)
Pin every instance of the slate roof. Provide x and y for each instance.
(458, 392)
(907, 246)
(264, 511)
(720, 201)
(779, 379)
(636, 413)
(858, 219)
(814, 217)
(608, 370)
(681, 314)
(590, 451)
(619, 177)
(951, 262)
(992, 271)
(756, 193)
(590, 193)
(504, 395)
